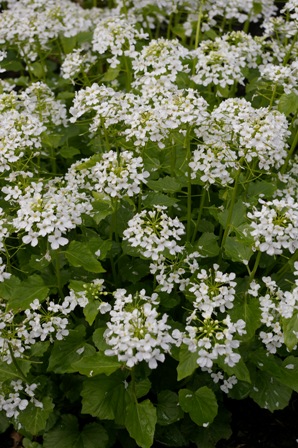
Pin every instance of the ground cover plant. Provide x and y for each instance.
(149, 218)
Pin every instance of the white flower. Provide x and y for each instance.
(154, 232)
(135, 331)
(213, 290)
(275, 226)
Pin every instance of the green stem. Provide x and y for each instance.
(290, 51)
(15, 363)
(53, 161)
(273, 97)
(128, 72)
(199, 23)
(290, 153)
(246, 25)
(58, 273)
(108, 146)
(256, 265)
(189, 199)
(280, 274)
(202, 203)
(231, 208)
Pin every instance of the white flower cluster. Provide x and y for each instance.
(155, 233)
(160, 58)
(284, 76)
(119, 36)
(152, 118)
(276, 306)
(275, 225)
(32, 24)
(291, 6)
(214, 164)
(255, 134)
(4, 233)
(241, 10)
(211, 338)
(20, 130)
(144, 117)
(226, 383)
(169, 273)
(95, 97)
(212, 290)
(18, 400)
(91, 292)
(116, 174)
(135, 331)
(282, 28)
(24, 118)
(289, 181)
(38, 99)
(219, 63)
(49, 209)
(81, 59)
(3, 55)
(41, 322)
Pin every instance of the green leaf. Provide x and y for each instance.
(261, 187)
(238, 215)
(171, 436)
(63, 435)
(97, 244)
(34, 419)
(93, 436)
(96, 364)
(8, 287)
(270, 393)
(112, 73)
(288, 103)
(68, 43)
(237, 250)
(29, 444)
(140, 422)
(166, 184)
(4, 422)
(290, 330)
(150, 199)
(13, 66)
(101, 208)
(68, 152)
(64, 353)
(187, 362)
(30, 289)
(201, 404)
(239, 370)
(207, 245)
(133, 269)
(37, 69)
(247, 309)
(99, 340)
(168, 408)
(91, 311)
(286, 372)
(67, 435)
(79, 255)
(219, 429)
(9, 371)
(142, 387)
(104, 397)
(289, 374)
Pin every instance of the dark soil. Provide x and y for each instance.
(254, 427)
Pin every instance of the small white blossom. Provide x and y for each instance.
(154, 232)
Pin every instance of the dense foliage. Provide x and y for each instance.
(149, 218)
